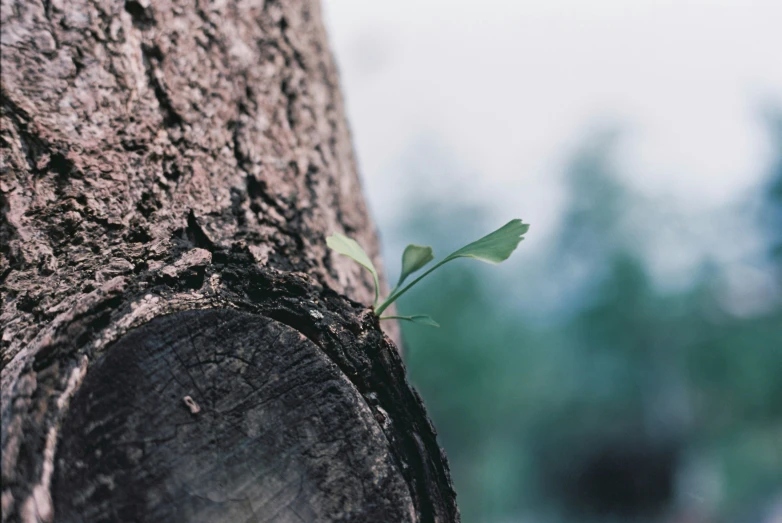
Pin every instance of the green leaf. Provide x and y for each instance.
(423, 319)
(350, 248)
(496, 246)
(492, 248)
(414, 257)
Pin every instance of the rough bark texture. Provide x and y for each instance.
(159, 158)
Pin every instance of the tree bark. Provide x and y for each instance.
(177, 344)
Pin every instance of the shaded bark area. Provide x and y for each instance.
(166, 157)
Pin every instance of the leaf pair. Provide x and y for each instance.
(495, 247)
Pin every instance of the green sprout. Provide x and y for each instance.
(495, 247)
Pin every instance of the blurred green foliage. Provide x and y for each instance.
(626, 402)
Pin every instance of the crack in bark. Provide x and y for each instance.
(197, 235)
(152, 56)
(142, 15)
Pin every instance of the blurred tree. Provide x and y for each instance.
(632, 405)
(773, 202)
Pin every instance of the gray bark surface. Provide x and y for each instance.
(169, 173)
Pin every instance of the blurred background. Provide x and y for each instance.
(625, 365)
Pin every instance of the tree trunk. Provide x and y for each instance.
(176, 340)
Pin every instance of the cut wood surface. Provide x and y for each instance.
(220, 415)
(169, 172)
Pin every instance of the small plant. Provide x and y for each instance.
(492, 248)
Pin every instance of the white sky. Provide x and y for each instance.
(509, 88)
